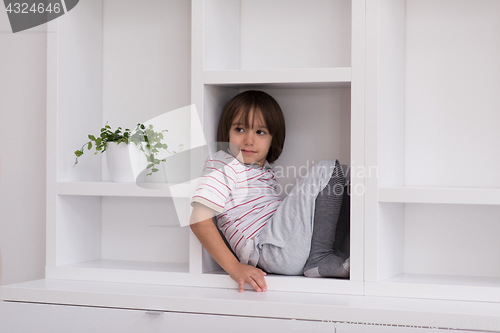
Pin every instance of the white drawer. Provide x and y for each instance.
(18, 317)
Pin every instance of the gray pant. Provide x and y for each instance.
(285, 241)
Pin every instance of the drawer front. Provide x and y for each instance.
(40, 318)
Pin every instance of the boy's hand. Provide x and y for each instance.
(205, 230)
(254, 276)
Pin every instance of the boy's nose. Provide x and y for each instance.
(248, 139)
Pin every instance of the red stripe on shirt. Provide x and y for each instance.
(224, 164)
(217, 181)
(225, 223)
(238, 243)
(256, 176)
(245, 215)
(234, 233)
(256, 230)
(222, 173)
(244, 203)
(258, 220)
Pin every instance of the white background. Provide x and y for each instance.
(23, 77)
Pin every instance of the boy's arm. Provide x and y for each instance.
(205, 230)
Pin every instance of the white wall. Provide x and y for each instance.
(22, 152)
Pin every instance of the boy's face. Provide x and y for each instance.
(254, 142)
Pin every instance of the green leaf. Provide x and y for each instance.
(145, 137)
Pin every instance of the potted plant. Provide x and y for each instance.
(126, 161)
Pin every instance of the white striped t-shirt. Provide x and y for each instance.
(244, 195)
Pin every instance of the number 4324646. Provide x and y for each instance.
(22, 8)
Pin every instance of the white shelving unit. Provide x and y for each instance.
(302, 56)
(432, 118)
(107, 63)
(405, 92)
(118, 189)
(300, 78)
(441, 195)
(96, 229)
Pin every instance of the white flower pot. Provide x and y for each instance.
(125, 162)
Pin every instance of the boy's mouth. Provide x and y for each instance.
(247, 151)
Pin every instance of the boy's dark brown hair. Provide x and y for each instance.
(262, 102)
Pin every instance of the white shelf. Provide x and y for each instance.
(465, 288)
(296, 78)
(134, 265)
(119, 189)
(304, 284)
(177, 274)
(122, 272)
(292, 305)
(440, 195)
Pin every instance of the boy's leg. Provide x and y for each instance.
(344, 223)
(285, 241)
(329, 230)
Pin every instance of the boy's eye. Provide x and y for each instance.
(239, 130)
